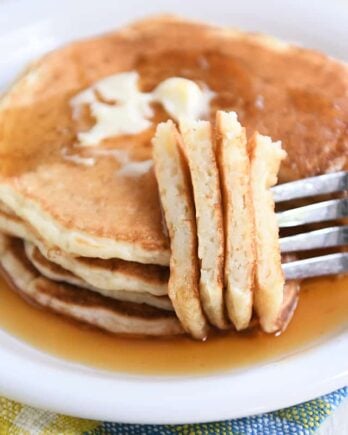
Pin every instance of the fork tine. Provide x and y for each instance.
(322, 184)
(319, 212)
(332, 264)
(324, 238)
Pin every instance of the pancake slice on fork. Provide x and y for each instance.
(198, 148)
(234, 166)
(266, 157)
(177, 201)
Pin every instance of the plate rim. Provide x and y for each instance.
(90, 390)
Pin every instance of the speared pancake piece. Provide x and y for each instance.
(80, 304)
(290, 298)
(234, 165)
(198, 149)
(177, 202)
(57, 273)
(266, 157)
(112, 274)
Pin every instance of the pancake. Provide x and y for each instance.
(290, 298)
(266, 157)
(57, 273)
(234, 165)
(288, 307)
(81, 304)
(176, 195)
(12, 225)
(113, 274)
(83, 205)
(199, 152)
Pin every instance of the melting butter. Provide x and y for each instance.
(135, 169)
(183, 98)
(122, 88)
(126, 110)
(128, 167)
(113, 121)
(75, 158)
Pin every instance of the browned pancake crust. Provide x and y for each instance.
(293, 94)
(149, 273)
(86, 298)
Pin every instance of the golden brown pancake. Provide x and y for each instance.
(234, 166)
(113, 274)
(12, 225)
(176, 195)
(81, 304)
(290, 299)
(266, 157)
(57, 273)
(199, 150)
(296, 95)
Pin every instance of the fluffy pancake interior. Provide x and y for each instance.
(198, 149)
(234, 168)
(177, 202)
(266, 157)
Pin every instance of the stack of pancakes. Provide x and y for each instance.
(83, 239)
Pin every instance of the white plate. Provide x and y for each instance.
(28, 29)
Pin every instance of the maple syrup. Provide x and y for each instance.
(322, 310)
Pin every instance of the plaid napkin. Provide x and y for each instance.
(16, 419)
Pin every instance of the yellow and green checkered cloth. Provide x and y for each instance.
(16, 419)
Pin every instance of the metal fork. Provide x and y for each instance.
(335, 236)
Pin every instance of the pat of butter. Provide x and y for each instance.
(136, 169)
(182, 98)
(126, 110)
(113, 121)
(120, 88)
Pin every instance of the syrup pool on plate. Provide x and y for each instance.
(322, 311)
